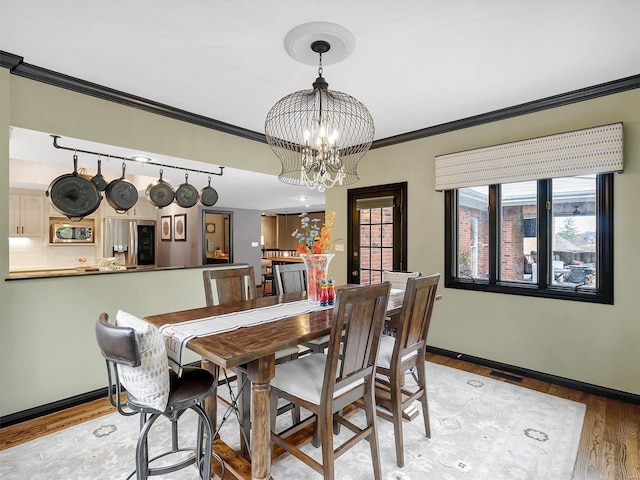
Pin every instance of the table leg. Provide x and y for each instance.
(211, 403)
(260, 372)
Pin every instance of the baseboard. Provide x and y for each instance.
(74, 401)
(545, 377)
(53, 407)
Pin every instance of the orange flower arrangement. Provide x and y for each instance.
(311, 239)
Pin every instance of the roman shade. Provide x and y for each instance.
(590, 151)
(375, 202)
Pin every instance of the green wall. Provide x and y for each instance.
(47, 345)
(596, 344)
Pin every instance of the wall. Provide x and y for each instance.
(47, 344)
(596, 344)
(48, 348)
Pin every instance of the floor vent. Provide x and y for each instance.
(506, 376)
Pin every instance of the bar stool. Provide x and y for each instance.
(268, 278)
(134, 357)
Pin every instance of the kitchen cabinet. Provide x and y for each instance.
(141, 210)
(52, 212)
(268, 231)
(26, 214)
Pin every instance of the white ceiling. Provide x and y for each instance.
(416, 63)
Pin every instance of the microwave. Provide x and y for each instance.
(72, 233)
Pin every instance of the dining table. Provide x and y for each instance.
(253, 349)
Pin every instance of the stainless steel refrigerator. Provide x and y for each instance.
(132, 242)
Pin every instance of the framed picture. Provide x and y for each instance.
(180, 227)
(165, 228)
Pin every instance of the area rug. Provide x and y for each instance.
(481, 429)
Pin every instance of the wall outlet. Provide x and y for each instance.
(254, 244)
(339, 247)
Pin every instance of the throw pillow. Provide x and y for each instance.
(148, 383)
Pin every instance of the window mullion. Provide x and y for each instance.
(494, 234)
(544, 232)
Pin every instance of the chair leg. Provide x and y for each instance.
(370, 413)
(325, 427)
(274, 410)
(396, 411)
(204, 453)
(422, 384)
(336, 423)
(295, 414)
(174, 434)
(317, 441)
(200, 451)
(413, 374)
(142, 449)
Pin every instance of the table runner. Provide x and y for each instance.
(177, 335)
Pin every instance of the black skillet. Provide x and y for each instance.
(121, 194)
(74, 195)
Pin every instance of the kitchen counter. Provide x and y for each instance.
(69, 272)
(88, 270)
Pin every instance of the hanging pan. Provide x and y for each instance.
(74, 195)
(160, 193)
(208, 195)
(98, 180)
(186, 194)
(121, 194)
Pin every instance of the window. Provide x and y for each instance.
(550, 238)
(376, 243)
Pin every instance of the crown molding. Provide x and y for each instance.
(17, 66)
(588, 93)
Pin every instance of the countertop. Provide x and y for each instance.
(86, 270)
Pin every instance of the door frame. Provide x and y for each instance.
(227, 232)
(399, 192)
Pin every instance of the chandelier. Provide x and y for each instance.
(319, 135)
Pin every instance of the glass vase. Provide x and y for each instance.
(317, 266)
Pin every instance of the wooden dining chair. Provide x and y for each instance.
(227, 285)
(325, 384)
(398, 279)
(290, 278)
(403, 352)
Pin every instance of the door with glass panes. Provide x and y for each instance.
(378, 232)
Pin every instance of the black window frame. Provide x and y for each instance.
(603, 293)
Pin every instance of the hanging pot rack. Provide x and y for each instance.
(100, 154)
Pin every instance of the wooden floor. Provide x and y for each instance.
(609, 446)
